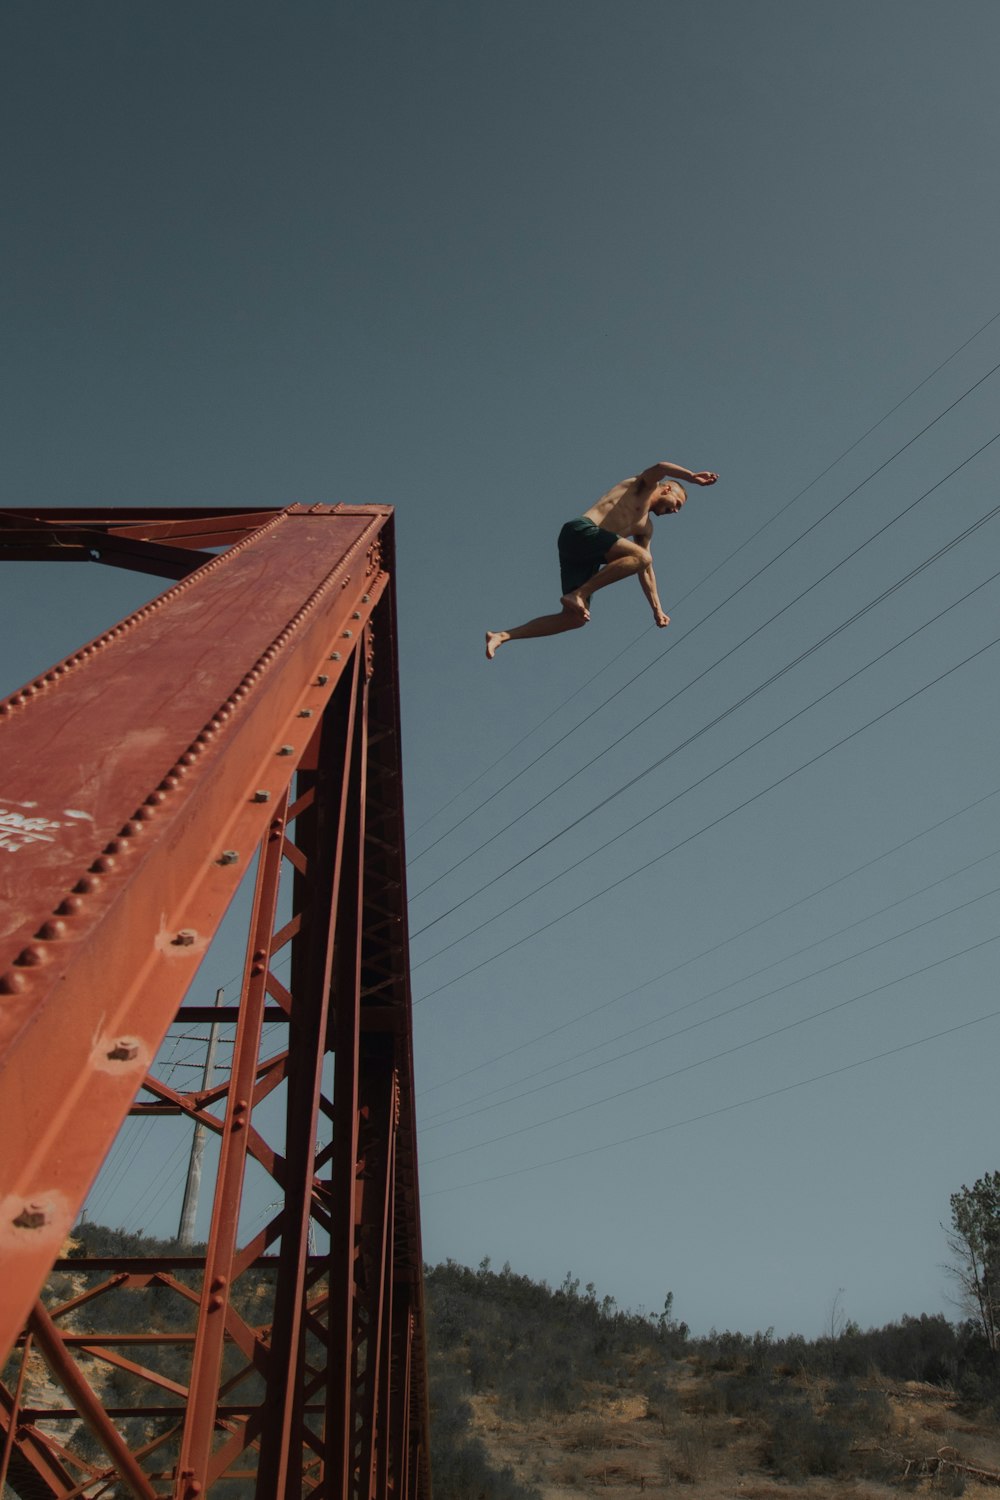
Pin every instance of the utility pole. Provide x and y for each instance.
(189, 1208)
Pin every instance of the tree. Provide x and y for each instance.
(835, 1324)
(974, 1240)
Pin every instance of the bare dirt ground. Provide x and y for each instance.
(616, 1443)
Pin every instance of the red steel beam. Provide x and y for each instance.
(109, 885)
(180, 526)
(254, 705)
(346, 1029)
(199, 1431)
(329, 862)
(167, 544)
(86, 1402)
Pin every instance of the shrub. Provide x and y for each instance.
(462, 1471)
(459, 1461)
(800, 1443)
(687, 1464)
(862, 1409)
(662, 1403)
(745, 1395)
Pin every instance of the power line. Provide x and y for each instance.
(753, 536)
(701, 1062)
(117, 1170)
(713, 948)
(776, 729)
(721, 1110)
(723, 817)
(796, 953)
(105, 1185)
(682, 745)
(541, 723)
(762, 686)
(736, 592)
(162, 1190)
(718, 1016)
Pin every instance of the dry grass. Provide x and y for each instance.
(618, 1442)
(597, 1433)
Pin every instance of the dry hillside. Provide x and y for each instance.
(916, 1441)
(542, 1394)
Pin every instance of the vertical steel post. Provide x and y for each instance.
(199, 1429)
(332, 782)
(345, 1202)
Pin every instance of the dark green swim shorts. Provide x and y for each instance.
(583, 549)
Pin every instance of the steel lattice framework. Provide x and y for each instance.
(242, 726)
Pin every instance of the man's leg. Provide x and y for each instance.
(624, 560)
(569, 619)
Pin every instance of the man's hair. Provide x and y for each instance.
(674, 484)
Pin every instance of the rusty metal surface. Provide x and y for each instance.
(253, 707)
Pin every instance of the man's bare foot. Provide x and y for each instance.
(494, 639)
(576, 604)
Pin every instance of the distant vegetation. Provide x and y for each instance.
(535, 1348)
(540, 1352)
(529, 1353)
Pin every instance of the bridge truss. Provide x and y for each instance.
(237, 737)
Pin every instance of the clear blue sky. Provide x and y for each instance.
(480, 262)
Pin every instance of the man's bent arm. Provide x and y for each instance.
(656, 473)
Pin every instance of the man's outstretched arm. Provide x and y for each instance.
(647, 579)
(656, 473)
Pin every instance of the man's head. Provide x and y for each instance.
(668, 498)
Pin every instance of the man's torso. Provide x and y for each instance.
(623, 509)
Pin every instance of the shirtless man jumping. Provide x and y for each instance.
(594, 550)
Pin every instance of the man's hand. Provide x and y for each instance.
(660, 618)
(704, 478)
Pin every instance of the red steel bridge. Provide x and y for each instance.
(239, 731)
